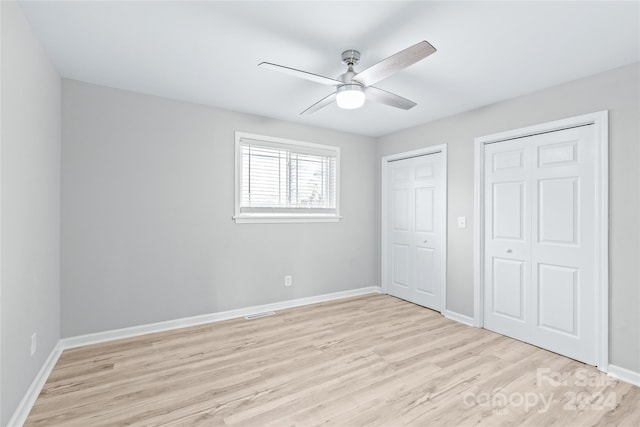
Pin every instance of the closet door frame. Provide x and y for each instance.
(600, 121)
(384, 181)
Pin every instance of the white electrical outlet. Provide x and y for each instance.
(462, 222)
(34, 342)
(288, 281)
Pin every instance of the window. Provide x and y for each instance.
(280, 180)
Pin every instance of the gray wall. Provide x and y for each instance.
(617, 91)
(147, 201)
(30, 207)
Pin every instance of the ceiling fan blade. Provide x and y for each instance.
(383, 97)
(320, 104)
(301, 74)
(395, 63)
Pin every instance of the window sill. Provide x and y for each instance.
(279, 219)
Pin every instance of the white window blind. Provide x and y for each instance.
(285, 179)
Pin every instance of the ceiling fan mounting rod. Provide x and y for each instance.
(347, 77)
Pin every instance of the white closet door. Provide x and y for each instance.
(416, 230)
(508, 237)
(539, 240)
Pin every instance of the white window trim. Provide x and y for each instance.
(275, 218)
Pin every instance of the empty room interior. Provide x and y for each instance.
(301, 213)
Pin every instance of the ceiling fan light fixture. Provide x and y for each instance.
(350, 96)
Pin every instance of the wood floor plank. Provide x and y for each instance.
(373, 360)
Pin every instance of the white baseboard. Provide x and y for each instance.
(469, 321)
(27, 402)
(133, 331)
(624, 374)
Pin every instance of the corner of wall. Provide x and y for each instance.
(29, 214)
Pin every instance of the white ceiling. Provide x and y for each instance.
(207, 52)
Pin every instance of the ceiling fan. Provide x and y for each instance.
(352, 88)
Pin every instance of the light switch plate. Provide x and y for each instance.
(462, 222)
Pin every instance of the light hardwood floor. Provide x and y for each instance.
(373, 360)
